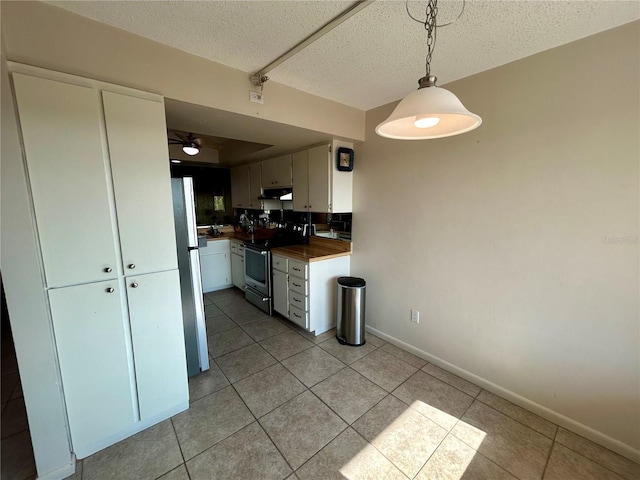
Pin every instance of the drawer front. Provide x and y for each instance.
(298, 285)
(279, 263)
(299, 301)
(234, 247)
(298, 269)
(299, 317)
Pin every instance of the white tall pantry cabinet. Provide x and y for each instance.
(97, 161)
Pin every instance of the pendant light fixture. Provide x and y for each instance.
(430, 111)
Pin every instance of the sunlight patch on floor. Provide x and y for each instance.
(409, 441)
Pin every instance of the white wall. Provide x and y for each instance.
(28, 307)
(518, 242)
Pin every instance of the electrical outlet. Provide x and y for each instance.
(255, 97)
(415, 316)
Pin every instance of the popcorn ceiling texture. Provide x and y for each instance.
(373, 58)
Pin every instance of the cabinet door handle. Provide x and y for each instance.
(107, 270)
(296, 300)
(296, 285)
(297, 269)
(296, 315)
(131, 266)
(134, 285)
(110, 290)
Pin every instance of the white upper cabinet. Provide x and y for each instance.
(316, 182)
(240, 187)
(66, 162)
(300, 168)
(136, 133)
(276, 172)
(255, 185)
(319, 179)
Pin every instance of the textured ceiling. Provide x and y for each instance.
(373, 58)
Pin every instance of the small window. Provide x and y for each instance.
(218, 203)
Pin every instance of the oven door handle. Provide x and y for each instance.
(256, 250)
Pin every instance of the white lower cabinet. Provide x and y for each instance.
(215, 265)
(160, 362)
(305, 292)
(92, 339)
(280, 293)
(237, 264)
(121, 368)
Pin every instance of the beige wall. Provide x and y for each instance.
(518, 242)
(45, 36)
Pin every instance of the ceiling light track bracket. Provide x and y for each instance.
(258, 78)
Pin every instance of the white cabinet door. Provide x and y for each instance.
(276, 172)
(155, 312)
(91, 338)
(255, 185)
(300, 169)
(280, 293)
(240, 190)
(216, 271)
(66, 162)
(137, 136)
(319, 179)
(237, 270)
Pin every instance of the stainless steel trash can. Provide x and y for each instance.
(350, 311)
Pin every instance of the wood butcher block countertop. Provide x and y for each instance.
(317, 249)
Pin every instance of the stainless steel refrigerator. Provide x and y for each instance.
(195, 332)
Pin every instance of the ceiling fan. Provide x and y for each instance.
(191, 145)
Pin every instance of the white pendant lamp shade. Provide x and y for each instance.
(430, 112)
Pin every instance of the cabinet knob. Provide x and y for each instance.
(107, 270)
(111, 290)
(132, 266)
(134, 285)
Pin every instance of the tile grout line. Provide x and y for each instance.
(546, 464)
(518, 421)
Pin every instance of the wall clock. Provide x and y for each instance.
(344, 159)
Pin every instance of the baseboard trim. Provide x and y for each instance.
(61, 473)
(546, 413)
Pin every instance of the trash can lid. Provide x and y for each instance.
(351, 282)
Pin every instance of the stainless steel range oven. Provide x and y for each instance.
(257, 263)
(257, 276)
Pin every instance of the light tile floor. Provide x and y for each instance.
(279, 403)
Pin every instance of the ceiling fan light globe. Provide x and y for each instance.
(190, 150)
(428, 102)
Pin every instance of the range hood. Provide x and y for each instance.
(283, 193)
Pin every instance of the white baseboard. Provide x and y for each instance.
(546, 413)
(61, 473)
